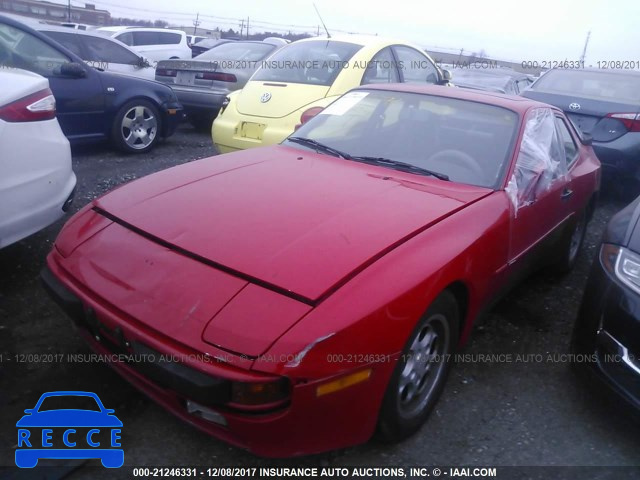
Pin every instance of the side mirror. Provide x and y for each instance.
(29, 411)
(73, 70)
(587, 139)
(143, 62)
(446, 75)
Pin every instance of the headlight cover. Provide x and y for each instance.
(623, 264)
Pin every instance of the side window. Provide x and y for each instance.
(415, 67)
(523, 85)
(126, 38)
(104, 50)
(67, 40)
(166, 38)
(382, 69)
(145, 38)
(510, 88)
(570, 147)
(541, 159)
(30, 53)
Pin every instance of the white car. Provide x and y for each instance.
(154, 43)
(36, 178)
(101, 52)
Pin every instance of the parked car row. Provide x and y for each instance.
(92, 104)
(203, 83)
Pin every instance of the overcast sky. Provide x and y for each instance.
(513, 30)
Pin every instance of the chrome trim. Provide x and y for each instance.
(605, 339)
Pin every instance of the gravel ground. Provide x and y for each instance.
(524, 413)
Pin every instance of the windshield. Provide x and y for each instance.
(466, 141)
(240, 53)
(314, 62)
(612, 87)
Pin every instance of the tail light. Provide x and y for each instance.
(630, 120)
(32, 108)
(166, 72)
(218, 76)
(308, 115)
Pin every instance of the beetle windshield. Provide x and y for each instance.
(464, 141)
(239, 53)
(312, 62)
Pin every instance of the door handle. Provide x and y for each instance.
(566, 194)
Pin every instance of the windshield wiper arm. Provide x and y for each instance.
(402, 166)
(318, 146)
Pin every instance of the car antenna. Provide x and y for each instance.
(322, 21)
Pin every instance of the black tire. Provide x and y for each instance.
(572, 243)
(405, 408)
(136, 127)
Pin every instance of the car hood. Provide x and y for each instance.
(292, 220)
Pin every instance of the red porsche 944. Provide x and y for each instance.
(298, 298)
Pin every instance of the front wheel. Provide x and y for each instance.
(421, 372)
(136, 127)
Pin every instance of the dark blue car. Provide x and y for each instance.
(605, 105)
(92, 105)
(69, 425)
(606, 335)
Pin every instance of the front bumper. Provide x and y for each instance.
(308, 424)
(608, 331)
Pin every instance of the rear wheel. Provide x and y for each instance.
(572, 243)
(419, 376)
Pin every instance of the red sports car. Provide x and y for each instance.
(297, 298)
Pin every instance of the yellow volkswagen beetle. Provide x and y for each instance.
(302, 78)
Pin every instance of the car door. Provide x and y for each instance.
(79, 99)
(415, 66)
(537, 189)
(580, 168)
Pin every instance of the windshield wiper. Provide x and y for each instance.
(407, 167)
(318, 146)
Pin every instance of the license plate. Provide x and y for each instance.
(252, 130)
(185, 78)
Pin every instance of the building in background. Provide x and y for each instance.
(57, 12)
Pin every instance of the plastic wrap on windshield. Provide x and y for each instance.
(541, 159)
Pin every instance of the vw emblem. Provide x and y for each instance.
(574, 106)
(267, 96)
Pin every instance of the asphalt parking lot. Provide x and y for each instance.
(524, 413)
